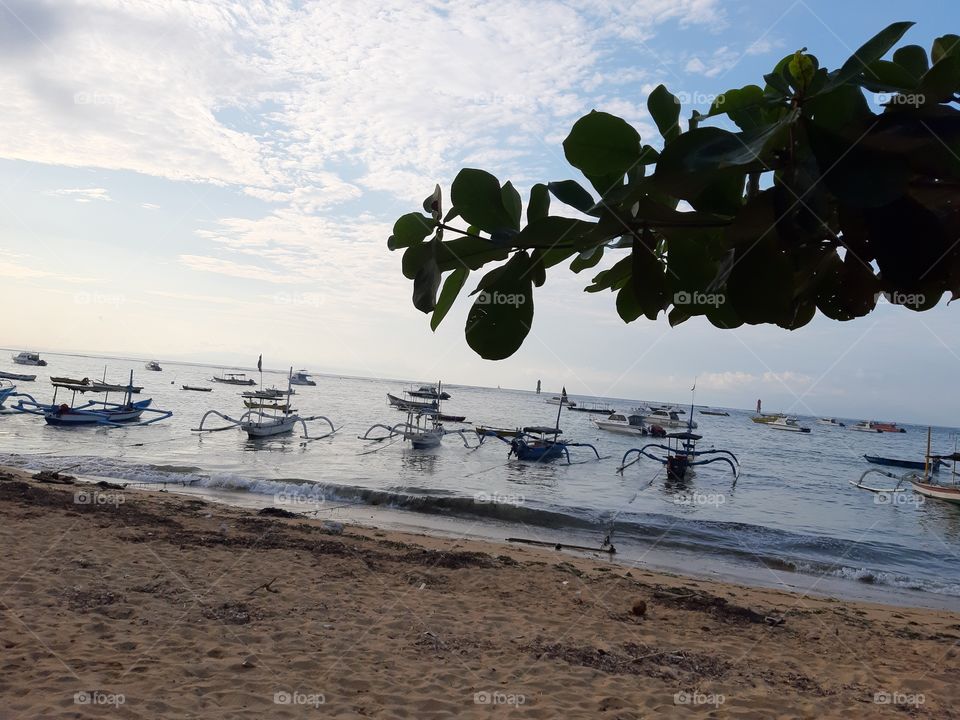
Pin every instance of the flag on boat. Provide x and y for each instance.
(260, 363)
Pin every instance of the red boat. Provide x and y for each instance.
(886, 427)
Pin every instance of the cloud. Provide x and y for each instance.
(735, 380)
(149, 206)
(83, 195)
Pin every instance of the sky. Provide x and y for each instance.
(209, 181)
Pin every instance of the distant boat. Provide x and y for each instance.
(233, 379)
(16, 376)
(302, 377)
(666, 418)
(831, 421)
(922, 484)
(404, 404)
(195, 388)
(787, 423)
(483, 430)
(599, 408)
(887, 427)
(767, 419)
(562, 399)
(154, 366)
(428, 391)
(29, 358)
(623, 424)
(718, 413)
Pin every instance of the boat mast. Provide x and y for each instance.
(563, 397)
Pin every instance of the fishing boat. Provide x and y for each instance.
(92, 412)
(16, 376)
(909, 464)
(103, 386)
(599, 408)
(195, 388)
(233, 379)
(406, 405)
(921, 483)
(29, 358)
(302, 377)
(789, 424)
(153, 366)
(266, 417)
(718, 413)
(430, 392)
(666, 418)
(483, 430)
(767, 419)
(540, 444)
(831, 421)
(681, 452)
(623, 424)
(562, 399)
(423, 428)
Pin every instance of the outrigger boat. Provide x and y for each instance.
(234, 379)
(407, 405)
(7, 389)
(501, 433)
(92, 412)
(423, 427)
(909, 464)
(682, 454)
(265, 417)
(922, 484)
(539, 444)
(17, 376)
(302, 377)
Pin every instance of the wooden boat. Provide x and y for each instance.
(265, 417)
(153, 366)
(29, 358)
(69, 381)
(921, 483)
(496, 432)
(7, 389)
(909, 464)
(423, 428)
(195, 388)
(233, 379)
(623, 424)
(16, 376)
(593, 407)
(453, 418)
(92, 412)
(100, 386)
(788, 424)
(718, 413)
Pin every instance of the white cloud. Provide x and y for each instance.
(83, 195)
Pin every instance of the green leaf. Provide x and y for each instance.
(664, 108)
(942, 81)
(512, 203)
(410, 229)
(451, 288)
(628, 304)
(648, 280)
(571, 193)
(502, 314)
(427, 282)
(602, 144)
(477, 196)
(743, 106)
(871, 51)
(539, 205)
(553, 232)
(760, 285)
(587, 259)
(945, 46)
(886, 76)
(611, 278)
(913, 59)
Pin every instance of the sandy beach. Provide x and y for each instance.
(138, 604)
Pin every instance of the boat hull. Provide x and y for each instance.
(268, 429)
(17, 376)
(620, 428)
(940, 492)
(72, 419)
(909, 464)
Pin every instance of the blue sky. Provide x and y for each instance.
(213, 180)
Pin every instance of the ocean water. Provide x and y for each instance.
(792, 512)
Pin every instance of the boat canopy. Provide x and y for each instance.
(685, 436)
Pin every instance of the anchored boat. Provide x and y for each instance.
(788, 424)
(562, 399)
(302, 377)
(16, 376)
(153, 366)
(599, 408)
(922, 483)
(7, 389)
(423, 428)
(666, 418)
(92, 412)
(430, 392)
(266, 416)
(29, 358)
(623, 424)
(233, 379)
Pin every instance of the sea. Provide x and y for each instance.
(792, 519)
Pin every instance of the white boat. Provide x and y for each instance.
(562, 399)
(665, 418)
(233, 379)
(29, 358)
(17, 376)
(265, 416)
(302, 377)
(154, 366)
(623, 424)
(831, 421)
(865, 426)
(787, 423)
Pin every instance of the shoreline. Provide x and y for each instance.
(191, 608)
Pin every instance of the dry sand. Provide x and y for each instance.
(154, 605)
